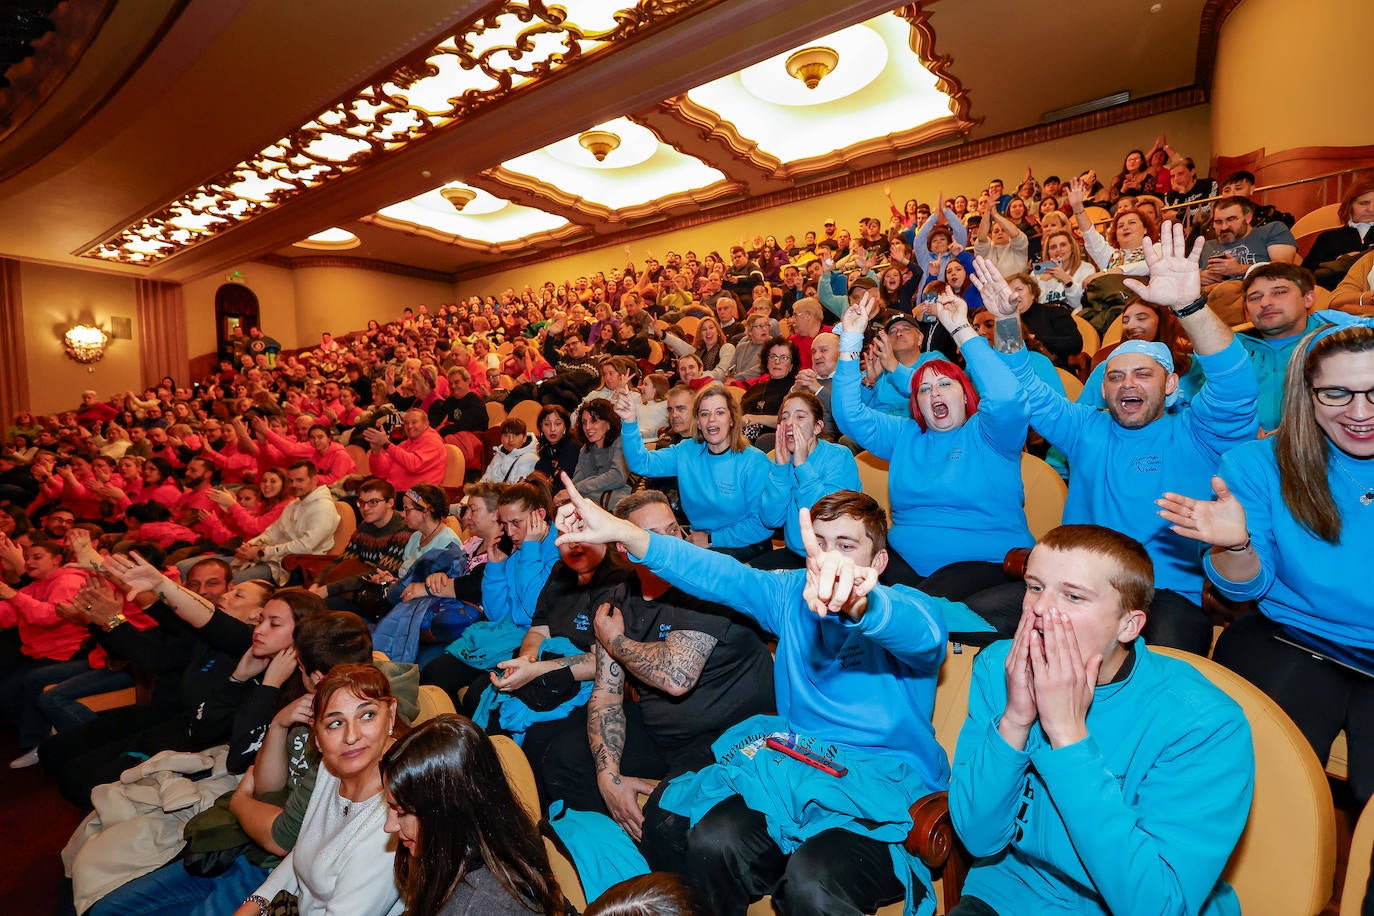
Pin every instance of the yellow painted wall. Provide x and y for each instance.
(276, 292)
(1188, 131)
(1292, 74)
(56, 298)
(340, 300)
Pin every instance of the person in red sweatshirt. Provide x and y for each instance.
(420, 458)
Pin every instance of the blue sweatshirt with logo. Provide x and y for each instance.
(720, 493)
(1118, 473)
(827, 469)
(1140, 817)
(1304, 582)
(956, 495)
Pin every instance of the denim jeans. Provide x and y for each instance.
(60, 704)
(172, 891)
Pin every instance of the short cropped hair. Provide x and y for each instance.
(513, 426)
(331, 638)
(1134, 576)
(1300, 276)
(856, 505)
(638, 500)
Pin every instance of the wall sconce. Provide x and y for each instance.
(85, 344)
(599, 143)
(811, 65)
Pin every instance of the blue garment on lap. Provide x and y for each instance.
(601, 850)
(798, 801)
(515, 717)
(487, 642)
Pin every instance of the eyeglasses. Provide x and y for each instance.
(780, 357)
(1335, 396)
(368, 503)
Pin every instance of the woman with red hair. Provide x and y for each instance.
(954, 476)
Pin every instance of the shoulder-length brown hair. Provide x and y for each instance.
(716, 390)
(1304, 452)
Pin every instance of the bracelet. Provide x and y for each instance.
(261, 903)
(1191, 308)
(962, 327)
(1242, 548)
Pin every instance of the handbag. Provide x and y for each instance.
(1104, 299)
(284, 904)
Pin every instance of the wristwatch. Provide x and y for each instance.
(1192, 308)
(115, 621)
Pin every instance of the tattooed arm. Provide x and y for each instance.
(606, 733)
(673, 666)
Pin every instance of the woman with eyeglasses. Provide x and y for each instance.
(955, 466)
(763, 399)
(432, 548)
(1290, 528)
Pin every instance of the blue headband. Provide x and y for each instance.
(1151, 348)
(1336, 321)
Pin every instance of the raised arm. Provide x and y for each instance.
(878, 432)
(1176, 283)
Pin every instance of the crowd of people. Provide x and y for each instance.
(665, 581)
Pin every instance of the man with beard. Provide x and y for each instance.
(1125, 458)
(1238, 247)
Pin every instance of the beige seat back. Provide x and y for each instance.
(1045, 495)
(1285, 861)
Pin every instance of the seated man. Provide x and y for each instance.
(843, 641)
(1092, 774)
(1242, 184)
(419, 458)
(1126, 457)
(379, 542)
(306, 525)
(1278, 300)
(1238, 246)
(698, 669)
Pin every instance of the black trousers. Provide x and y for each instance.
(97, 752)
(732, 860)
(1320, 697)
(453, 674)
(570, 774)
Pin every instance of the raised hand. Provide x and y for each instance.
(249, 666)
(803, 444)
(1020, 712)
(858, 314)
(582, 521)
(993, 287)
(135, 572)
(222, 498)
(624, 404)
(608, 624)
(281, 668)
(1078, 192)
(1064, 682)
(835, 584)
(950, 310)
(781, 453)
(1175, 278)
(1219, 522)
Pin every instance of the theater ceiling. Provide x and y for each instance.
(173, 138)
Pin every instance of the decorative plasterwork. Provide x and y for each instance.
(659, 178)
(489, 224)
(713, 127)
(502, 52)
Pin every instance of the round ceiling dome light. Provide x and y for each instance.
(331, 240)
(859, 53)
(637, 144)
(600, 143)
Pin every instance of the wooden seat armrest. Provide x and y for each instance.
(310, 564)
(1014, 563)
(933, 841)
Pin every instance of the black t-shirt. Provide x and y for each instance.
(465, 414)
(736, 682)
(567, 608)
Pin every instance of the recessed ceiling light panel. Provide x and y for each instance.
(862, 56)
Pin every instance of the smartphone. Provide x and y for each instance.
(505, 544)
(1046, 266)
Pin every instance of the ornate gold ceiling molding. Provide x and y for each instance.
(379, 118)
(1214, 15)
(562, 235)
(714, 129)
(76, 24)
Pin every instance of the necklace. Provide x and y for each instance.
(1368, 496)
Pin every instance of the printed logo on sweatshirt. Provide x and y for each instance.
(1146, 464)
(664, 629)
(582, 622)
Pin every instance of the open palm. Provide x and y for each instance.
(1175, 279)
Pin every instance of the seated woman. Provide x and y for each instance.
(250, 510)
(1141, 320)
(720, 478)
(805, 468)
(653, 411)
(601, 473)
(425, 509)
(46, 640)
(466, 845)
(958, 277)
(1290, 528)
(1335, 251)
(717, 354)
(558, 448)
(763, 399)
(342, 860)
(1063, 271)
(1050, 323)
(955, 473)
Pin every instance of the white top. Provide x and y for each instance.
(342, 862)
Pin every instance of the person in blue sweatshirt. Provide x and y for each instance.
(1126, 457)
(1290, 527)
(1094, 775)
(805, 468)
(842, 641)
(720, 477)
(955, 466)
(1278, 299)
